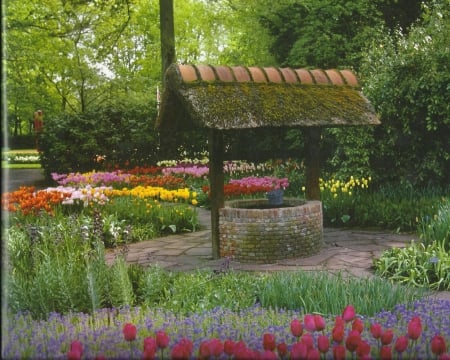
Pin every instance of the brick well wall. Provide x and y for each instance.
(267, 235)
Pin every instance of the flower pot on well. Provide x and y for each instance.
(275, 197)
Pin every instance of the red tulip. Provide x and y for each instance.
(148, 354)
(387, 336)
(73, 355)
(268, 355)
(376, 330)
(323, 343)
(269, 342)
(352, 341)
(100, 357)
(282, 349)
(401, 344)
(162, 339)
(414, 328)
(313, 354)
(228, 347)
(308, 340)
(363, 349)
(203, 350)
(358, 325)
(444, 357)
(296, 328)
(180, 352)
(348, 313)
(215, 347)
(76, 346)
(150, 344)
(339, 352)
(319, 322)
(129, 332)
(338, 333)
(339, 321)
(438, 346)
(298, 351)
(309, 322)
(385, 353)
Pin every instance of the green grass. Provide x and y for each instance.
(5, 165)
(21, 152)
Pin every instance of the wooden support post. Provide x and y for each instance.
(216, 179)
(312, 162)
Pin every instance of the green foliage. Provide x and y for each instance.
(93, 140)
(324, 293)
(436, 227)
(417, 265)
(406, 78)
(395, 207)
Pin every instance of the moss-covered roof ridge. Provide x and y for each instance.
(239, 97)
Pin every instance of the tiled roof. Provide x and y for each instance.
(238, 97)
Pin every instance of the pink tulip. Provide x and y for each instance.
(313, 354)
(308, 340)
(309, 322)
(299, 351)
(363, 349)
(387, 336)
(349, 313)
(414, 328)
(162, 339)
(73, 355)
(339, 352)
(76, 346)
(268, 355)
(401, 344)
(150, 345)
(339, 321)
(385, 353)
(438, 346)
(296, 328)
(319, 322)
(129, 332)
(376, 330)
(323, 343)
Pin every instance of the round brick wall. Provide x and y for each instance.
(263, 235)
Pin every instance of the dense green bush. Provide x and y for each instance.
(101, 138)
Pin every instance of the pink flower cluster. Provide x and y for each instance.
(271, 182)
(345, 341)
(195, 171)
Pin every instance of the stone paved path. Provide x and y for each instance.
(348, 251)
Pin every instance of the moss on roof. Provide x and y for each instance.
(241, 105)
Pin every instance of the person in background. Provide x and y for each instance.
(38, 125)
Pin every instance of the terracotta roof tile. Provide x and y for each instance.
(187, 72)
(257, 74)
(224, 73)
(320, 77)
(273, 75)
(289, 75)
(206, 72)
(349, 77)
(304, 76)
(241, 73)
(335, 77)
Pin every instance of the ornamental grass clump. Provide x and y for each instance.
(418, 331)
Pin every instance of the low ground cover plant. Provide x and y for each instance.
(417, 331)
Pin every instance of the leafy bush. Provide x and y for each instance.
(97, 139)
(437, 227)
(417, 265)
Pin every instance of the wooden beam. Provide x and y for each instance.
(312, 162)
(216, 179)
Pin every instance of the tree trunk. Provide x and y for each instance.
(167, 36)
